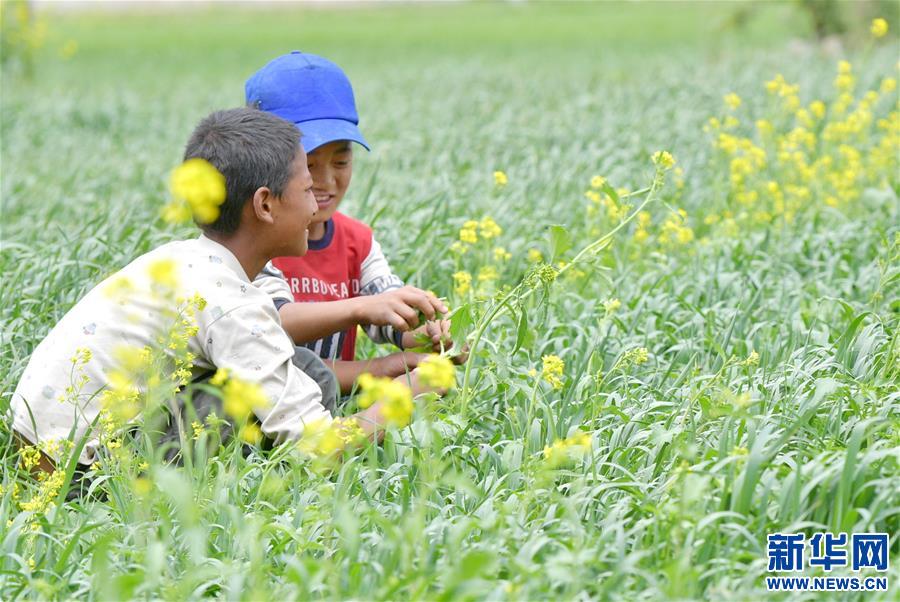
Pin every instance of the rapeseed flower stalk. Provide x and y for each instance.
(552, 370)
(879, 28)
(198, 189)
(395, 397)
(500, 179)
(437, 371)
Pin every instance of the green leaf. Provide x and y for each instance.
(523, 335)
(560, 241)
(461, 322)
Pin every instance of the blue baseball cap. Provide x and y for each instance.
(311, 92)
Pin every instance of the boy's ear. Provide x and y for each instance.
(263, 203)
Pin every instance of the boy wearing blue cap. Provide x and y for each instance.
(344, 280)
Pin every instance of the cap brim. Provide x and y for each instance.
(316, 132)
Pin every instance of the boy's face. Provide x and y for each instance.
(297, 208)
(331, 166)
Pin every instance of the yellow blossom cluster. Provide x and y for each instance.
(611, 305)
(437, 371)
(239, 397)
(395, 397)
(46, 493)
(796, 157)
(552, 370)
(636, 356)
(500, 179)
(198, 189)
(501, 254)
(325, 437)
(471, 234)
(664, 159)
(675, 230)
(565, 451)
(462, 282)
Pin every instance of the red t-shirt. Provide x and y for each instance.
(346, 262)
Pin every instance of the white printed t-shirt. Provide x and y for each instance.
(239, 329)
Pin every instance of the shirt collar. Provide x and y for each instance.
(219, 253)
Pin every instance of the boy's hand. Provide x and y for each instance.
(434, 335)
(399, 308)
(401, 362)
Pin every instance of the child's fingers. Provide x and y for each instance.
(423, 303)
(409, 315)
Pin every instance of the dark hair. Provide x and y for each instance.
(252, 149)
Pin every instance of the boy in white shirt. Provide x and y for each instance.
(266, 213)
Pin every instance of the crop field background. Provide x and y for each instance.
(730, 347)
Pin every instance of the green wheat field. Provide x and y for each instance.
(727, 324)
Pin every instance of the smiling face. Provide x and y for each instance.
(331, 166)
(296, 210)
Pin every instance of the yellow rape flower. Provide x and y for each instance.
(552, 370)
(239, 397)
(250, 433)
(459, 248)
(487, 273)
(879, 28)
(501, 254)
(535, 256)
(598, 182)
(664, 159)
(30, 455)
(817, 108)
(463, 282)
(437, 371)
(565, 451)
(164, 272)
(468, 234)
(118, 288)
(395, 397)
(732, 100)
(500, 179)
(637, 356)
(490, 228)
(325, 437)
(198, 183)
(611, 305)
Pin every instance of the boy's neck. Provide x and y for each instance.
(244, 247)
(317, 230)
